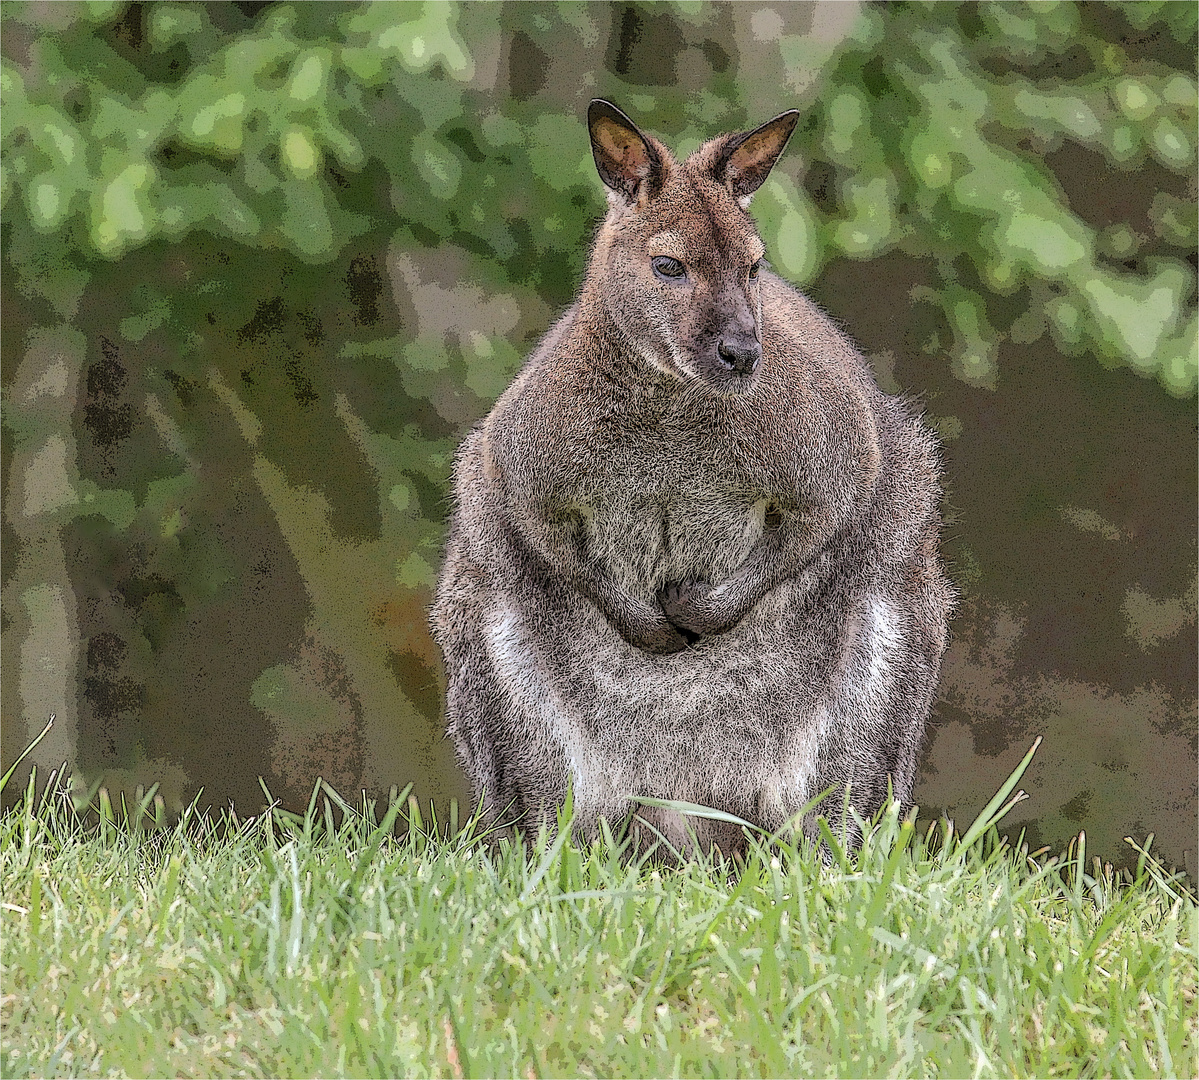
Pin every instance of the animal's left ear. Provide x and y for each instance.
(748, 158)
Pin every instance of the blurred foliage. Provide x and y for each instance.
(266, 263)
(929, 133)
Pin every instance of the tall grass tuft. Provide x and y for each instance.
(355, 940)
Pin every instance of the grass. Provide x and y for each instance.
(325, 944)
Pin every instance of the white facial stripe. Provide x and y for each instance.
(650, 358)
(662, 325)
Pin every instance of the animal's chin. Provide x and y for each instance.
(729, 383)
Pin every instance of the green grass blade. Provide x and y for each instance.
(26, 752)
(991, 813)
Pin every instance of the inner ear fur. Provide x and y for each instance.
(748, 158)
(624, 158)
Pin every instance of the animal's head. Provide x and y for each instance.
(676, 259)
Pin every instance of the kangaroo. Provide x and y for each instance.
(693, 553)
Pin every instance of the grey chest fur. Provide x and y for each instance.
(647, 539)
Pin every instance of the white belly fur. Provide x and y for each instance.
(655, 726)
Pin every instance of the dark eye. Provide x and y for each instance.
(753, 270)
(667, 268)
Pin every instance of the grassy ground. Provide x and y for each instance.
(322, 945)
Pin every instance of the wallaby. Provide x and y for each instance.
(694, 549)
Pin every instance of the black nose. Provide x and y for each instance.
(740, 355)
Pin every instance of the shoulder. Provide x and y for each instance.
(546, 427)
(804, 329)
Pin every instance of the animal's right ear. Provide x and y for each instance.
(623, 156)
(747, 159)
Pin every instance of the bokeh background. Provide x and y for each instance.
(265, 263)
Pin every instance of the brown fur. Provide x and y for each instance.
(694, 548)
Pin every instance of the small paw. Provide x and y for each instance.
(686, 605)
(663, 640)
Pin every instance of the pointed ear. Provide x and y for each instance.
(623, 156)
(748, 158)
